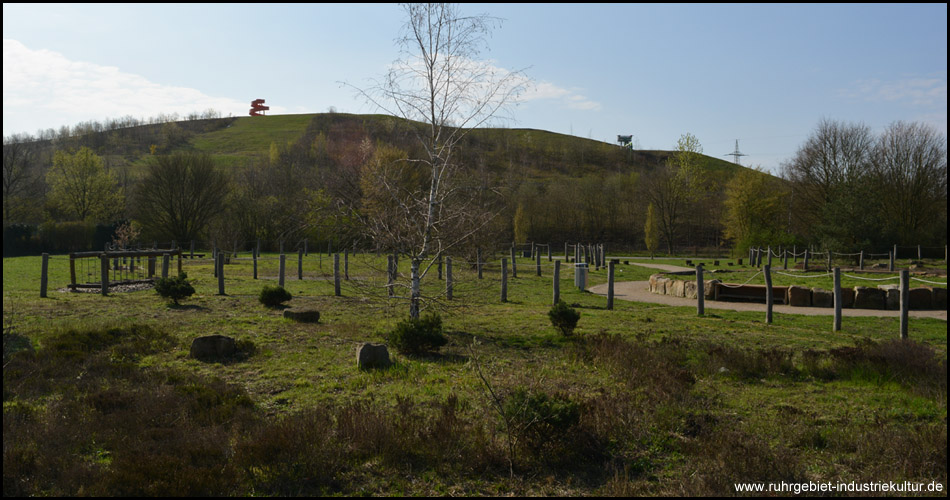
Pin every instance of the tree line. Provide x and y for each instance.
(845, 188)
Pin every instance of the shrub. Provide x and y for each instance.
(417, 336)
(274, 296)
(175, 288)
(564, 318)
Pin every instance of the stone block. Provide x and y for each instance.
(822, 298)
(213, 347)
(689, 289)
(678, 289)
(869, 298)
(847, 298)
(369, 356)
(921, 298)
(798, 296)
(892, 298)
(940, 298)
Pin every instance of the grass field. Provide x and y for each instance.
(101, 397)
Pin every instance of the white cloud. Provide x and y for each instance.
(568, 98)
(44, 89)
(916, 91)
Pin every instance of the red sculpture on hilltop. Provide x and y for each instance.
(258, 108)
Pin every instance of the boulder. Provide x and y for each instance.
(678, 288)
(940, 298)
(921, 298)
(689, 289)
(822, 298)
(799, 296)
(710, 287)
(213, 347)
(369, 356)
(892, 298)
(303, 315)
(847, 298)
(869, 298)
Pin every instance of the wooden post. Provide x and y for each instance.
(336, 274)
(192, 249)
(448, 278)
(895, 252)
(44, 275)
(165, 262)
(504, 279)
(700, 293)
(179, 263)
(439, 266)
(514, 265)
(280, 276)
(785, 259)
(478, 262)
(257, 248)
(537, 262)
(920, 256)
(220, 266)
(769, 250)
(890, 259)
(390, 273)
(104, 273)
(905, 302)
(280, 247)
(861, 260)
(72, 270)
(837, 275)
(549, 253)
(769, 299)
(254, 258)
(300, 263)
(346, 265)
(566, 257)
(805, 265)
(557, 281)
(829, 260)
(610, 286)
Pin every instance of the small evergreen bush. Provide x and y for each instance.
(175, 288)
(564, 318)
(274, 296)
(418, 336)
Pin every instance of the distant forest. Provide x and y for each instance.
(210, 178)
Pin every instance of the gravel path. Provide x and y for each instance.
(639, 291)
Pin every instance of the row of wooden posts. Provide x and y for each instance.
(836, 272)
(392, 267)
(755, 257)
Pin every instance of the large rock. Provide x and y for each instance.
(213, 347)
(662, 284)
(892, 298)
(710, 287)
(799, 296)
(678, 288)
(302, 315)
(847, 298)
(370, 356)
(869, 298)
(940, 298)
(689, 289)
(921, 298)
(822, 298)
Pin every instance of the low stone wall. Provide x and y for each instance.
(884, 297)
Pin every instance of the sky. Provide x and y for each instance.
(764, 75)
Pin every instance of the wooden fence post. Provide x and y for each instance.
(769, 299)
(861, 260)
(254, 258)
(336, 274)
(220, 266)
(785, 259)
(300, 263)
(537, 262)
(557, 281)
(700, 293)
(905, 302)
(346, 265)
(44, 275)
(390, 273)
(478, 261)
(890, 258)
(165, 262)
(280, 276)
(837, 275)
(104, 273)
(805, 265)
(610, 286)
(504, 279)
(514, 265)
(448, 278)
(439, 266)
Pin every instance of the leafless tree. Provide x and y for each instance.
(442, 91)
(910, 165)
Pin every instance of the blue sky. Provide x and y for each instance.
(762, 74)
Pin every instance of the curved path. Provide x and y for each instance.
(639, 291)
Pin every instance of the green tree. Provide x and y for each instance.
(82, 189)
(755, 204)
(180, 195)
(651, 233)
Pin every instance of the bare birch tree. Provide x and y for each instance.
(442, 91)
